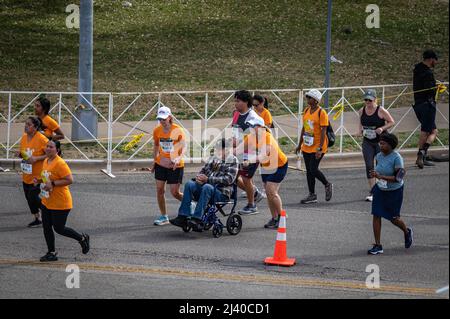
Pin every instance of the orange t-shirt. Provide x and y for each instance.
(266, 116)
(59, 198)
(35, 147)
(269, 159)
(311, 137)
(170, 144)
(49, 126)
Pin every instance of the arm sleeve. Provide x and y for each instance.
(155, 136)
(398, 163)
(43, 144)
(52, 124)
(269, 118)
(64, 170)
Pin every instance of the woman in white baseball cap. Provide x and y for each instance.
(274, 164)
(168, 151)
(314, 144)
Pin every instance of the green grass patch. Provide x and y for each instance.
(193, 45)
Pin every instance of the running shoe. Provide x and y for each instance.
(272, 224)
(85, 245)
(419, 161)
(328, 192)
(161, 220)
(312, 198)
(376, 249)
(179, 221)
(428, 163)
(369, 198)
(259, 196)
(49, 257)
(35, 223)
(249, 210)
(409, 238)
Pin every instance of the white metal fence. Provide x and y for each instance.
(121, 116)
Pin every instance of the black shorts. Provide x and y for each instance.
(169, 175)
(248, 171)
(426, 114)
(276, 177)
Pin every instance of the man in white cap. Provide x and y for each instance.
(314, 144)
(168, 151)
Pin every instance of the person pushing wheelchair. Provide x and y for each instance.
(214, 181)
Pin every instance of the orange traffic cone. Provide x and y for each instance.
(280, 256)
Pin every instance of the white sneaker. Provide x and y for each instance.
(243, 194)
(369, 198)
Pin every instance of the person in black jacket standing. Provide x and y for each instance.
(424, 87)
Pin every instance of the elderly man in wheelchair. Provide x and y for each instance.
(213, 188)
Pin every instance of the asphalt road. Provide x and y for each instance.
(131, 258)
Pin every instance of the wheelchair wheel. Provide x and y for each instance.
(217, 231)
(187, 228)
(234, 224)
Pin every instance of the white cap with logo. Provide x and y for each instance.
(163, 113)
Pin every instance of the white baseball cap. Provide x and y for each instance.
(255, 120)
(315, 94)
(163, 113)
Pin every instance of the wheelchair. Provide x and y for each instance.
(211, 220)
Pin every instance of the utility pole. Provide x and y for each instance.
(328, 53)
(84, 112)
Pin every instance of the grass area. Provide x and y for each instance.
(194, 45)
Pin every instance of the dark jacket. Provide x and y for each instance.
(221, 173)
(423, 79)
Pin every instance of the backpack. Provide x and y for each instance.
(330, 133)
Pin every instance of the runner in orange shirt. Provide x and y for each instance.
(32, 152)
(57, 201)
(169, 148)
(314, 145)
(261, 106)
(274, 165)
(50, 127)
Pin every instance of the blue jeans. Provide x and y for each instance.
(202, 193)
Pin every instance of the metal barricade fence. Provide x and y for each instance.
(204, 115)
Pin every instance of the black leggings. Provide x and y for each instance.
(370, 149)
(56, 219)
(32, 195)
(313, 172)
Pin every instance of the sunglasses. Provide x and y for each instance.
(367, 100)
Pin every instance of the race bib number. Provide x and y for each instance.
(44, 193)
(166, 145)
(369, 133)
(382, 184)
(308, 139)
(26, 168)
